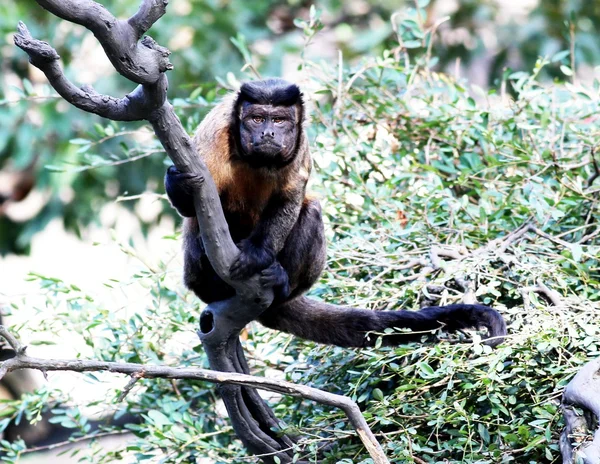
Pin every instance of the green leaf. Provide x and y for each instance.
(576, 252)
(566, 70)
(560, 56)
(158, 418)
(426, 369)
(377, 394)
(79, 141)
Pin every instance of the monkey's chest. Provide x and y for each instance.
(243, 204)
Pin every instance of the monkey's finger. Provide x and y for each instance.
(190, 176)
(190, 181)
(270, 280)
(179, 176)
(240, 269)
(281, 292)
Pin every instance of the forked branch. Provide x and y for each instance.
(141, 62)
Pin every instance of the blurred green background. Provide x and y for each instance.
(55, 162)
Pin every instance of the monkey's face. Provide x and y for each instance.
(268, 134)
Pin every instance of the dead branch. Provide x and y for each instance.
(129, 386)
(596, 172)
(552, 295)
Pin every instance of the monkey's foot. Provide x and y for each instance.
(276, 277)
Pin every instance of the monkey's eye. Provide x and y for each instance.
(258, 119)
(278, 120)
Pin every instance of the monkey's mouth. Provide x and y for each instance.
(267, 148)
(268, 143)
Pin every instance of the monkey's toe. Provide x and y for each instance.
(277, 278)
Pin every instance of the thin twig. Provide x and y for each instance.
(72, 441)
(127, 388)
(12, 341)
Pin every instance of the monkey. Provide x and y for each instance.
(256, 148)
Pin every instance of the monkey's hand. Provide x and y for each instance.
(251, 260)
(276, 277)
(180, 187)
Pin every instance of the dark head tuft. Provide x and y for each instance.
(271, 92)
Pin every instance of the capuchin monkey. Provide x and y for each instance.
(256, 150)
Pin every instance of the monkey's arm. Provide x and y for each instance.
(260, 249)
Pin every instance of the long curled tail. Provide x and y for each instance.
(348, 327)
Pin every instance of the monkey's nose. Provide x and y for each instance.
(268, 134)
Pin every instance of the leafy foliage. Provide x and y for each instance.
(425, 181)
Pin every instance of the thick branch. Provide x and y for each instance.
(141, 62)
(138, 371)
(133, 107)
(584, 389)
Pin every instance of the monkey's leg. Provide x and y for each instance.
(198, 274)
(301, 260)
(180, 187)
(303, 256)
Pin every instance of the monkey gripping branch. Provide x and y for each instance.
(144, 62)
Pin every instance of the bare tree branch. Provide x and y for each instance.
(14, 343)
(133, 107)
(140, 62)
(596, 172)
(150, 11)
(141, 371)
(127, 388)
(552, 295)
(549, 237)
